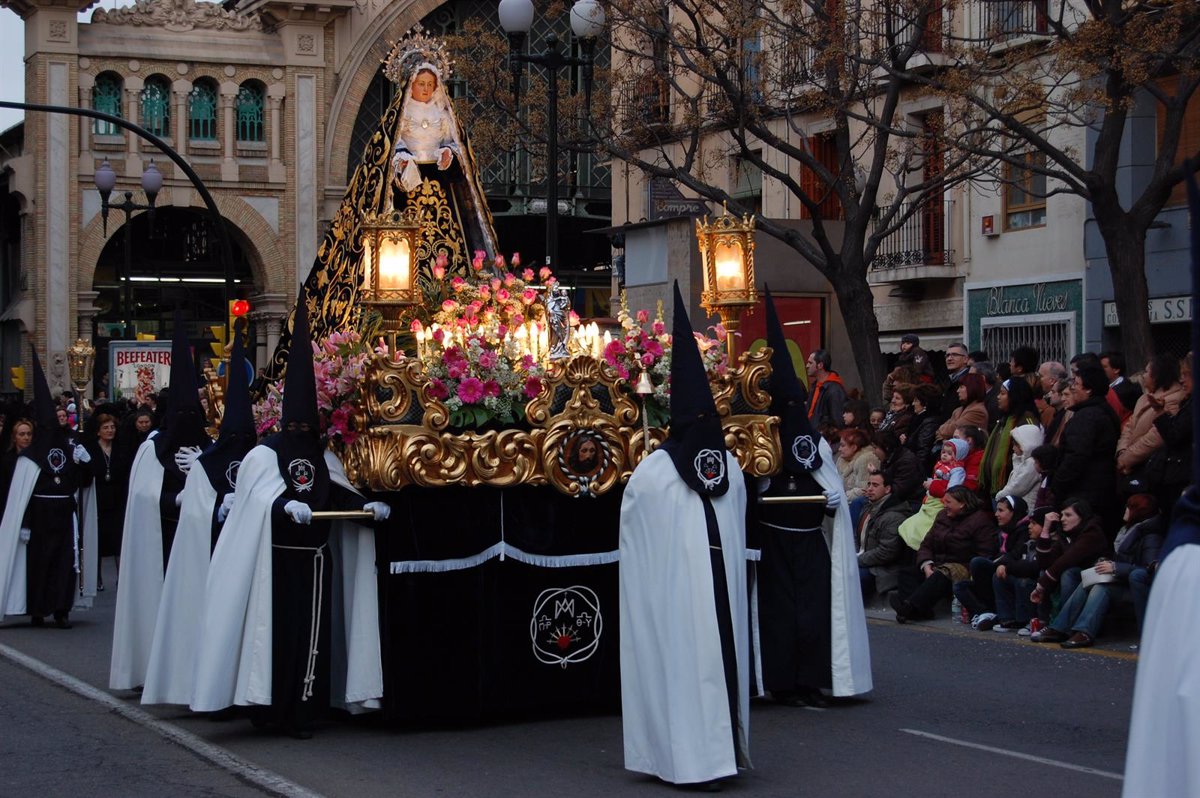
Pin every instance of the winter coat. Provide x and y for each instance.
(897, 422)
(1020, 553)
(883, 551)
(1089, 441)
(1024, 478)
(997, 455)
(826, 401)
(1137, 546)
(1176, 470)
(922, 432)
(957, 540)
(972, 415)
(1080, 550)
(1140, 437)
(855, 471)
(905, 474)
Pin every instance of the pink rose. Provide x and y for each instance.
(526, 275)
(528, 296)
(573, 318)
(477, 264)
(658, 328)
(509, 279)
(458, 284)
(470, 390)
(518, 319)
(516, 259)
(544, 272)
(502, 295)
(438, 335)
(488, 359)
(416, 326)
(456, 370)
(499, 262)
(449, 306)
(484, 293)
(647, 360)
(502, 330)
(643, 316)
(496, 283)
(439, 270)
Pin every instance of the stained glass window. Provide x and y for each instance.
(250, 112)
(202, 112)
(156, 106)
(106, 97)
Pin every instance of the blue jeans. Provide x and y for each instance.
(976, 593)
(1139, 589)
(1012, 598)
(1068, 583)
(1084, 611)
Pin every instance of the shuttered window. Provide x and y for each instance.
(824, 150)
(1189, 136)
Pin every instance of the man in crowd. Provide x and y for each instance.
(685, 658)
(828, 393)
(956, 367)
(1122, 393)
(1050, 374)
(1023, 363)
(882, 553)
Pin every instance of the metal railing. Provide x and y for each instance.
(1006, 21)
(923, 239)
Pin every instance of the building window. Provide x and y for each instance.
(824, 151)
(747, 185)
(156, 106)
(1025, 193)
(250, 112)
(106, 98)
(1189, 132)
(202, 112)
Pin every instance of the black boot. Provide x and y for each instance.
(927, 595)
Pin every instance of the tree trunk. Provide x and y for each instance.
(858, 310)
(1126, 249)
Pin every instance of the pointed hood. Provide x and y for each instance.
(47, 435)
(300, 383)
(221, 460)
(184, 424)
(1185, 520)
(696, 442)
(789, 401)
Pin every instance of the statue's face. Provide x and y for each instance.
(423, 86)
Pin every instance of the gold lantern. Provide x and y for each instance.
(80, 358)
(727, 264)
(389, 264)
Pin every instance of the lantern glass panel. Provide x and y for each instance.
(730, 271)
(394, 264)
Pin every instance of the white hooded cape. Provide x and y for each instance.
(87, 561)
(177, 628)
(1163, 758)
(13, 586)
(850, 649)
(233, 663)
(139, 589)
(675, 711)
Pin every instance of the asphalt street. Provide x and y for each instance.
(954, 712)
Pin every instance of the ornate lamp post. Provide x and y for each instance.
(106, 181)
(80, 359)
(587, 22)
(389, 265)
(727, 264)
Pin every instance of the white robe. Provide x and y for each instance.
(850, 649)
(233, 664)
(674, 705)
(1163, 757)
(139, 589)
(13, 586)
(87, 561)
(177, 628)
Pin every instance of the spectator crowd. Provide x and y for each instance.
(1032, 496)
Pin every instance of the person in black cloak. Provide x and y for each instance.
(300, 664)
(50, 512)
(237, 436)
(684, 617)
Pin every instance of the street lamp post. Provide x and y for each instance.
(587, 22)
(106, 181)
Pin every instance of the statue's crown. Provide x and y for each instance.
(415, 48)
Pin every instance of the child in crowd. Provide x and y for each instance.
(877, 415)
(1024, 479)
(975, 594)
(948, 471)
(1015, 577)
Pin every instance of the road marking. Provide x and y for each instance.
(1041, 760)
(1127, 656)
(247, 771)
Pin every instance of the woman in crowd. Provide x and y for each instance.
(901, 466)
(1168, 471)
(899, 414)
(1024, 479)
(855, 461)
(1070, 540)
(1058, 399)
(1089, 442)
(856, 414)
(962, 531)
(1161, 393)
(1078, 622)
(970, 410)
(975, 594)
(1045, 460)
(109, 485)
(922, 428)
(1015, 403)
(1016, 576)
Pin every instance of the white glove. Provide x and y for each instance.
(24, 535)
(300, 512)
(834, 498)
(381, 510)
(179, 499)
(185, 457)
(80, 455)
(226, 506)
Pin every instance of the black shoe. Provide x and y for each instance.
(812, 697)
(787, 698)
(37, 621)
(62, 623)
(100, 588)
(901, 607)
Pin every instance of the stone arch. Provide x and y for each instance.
(267, 260)
(361, 66)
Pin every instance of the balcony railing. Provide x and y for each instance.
(923, 240)
(1007, 21)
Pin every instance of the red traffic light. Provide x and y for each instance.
(239, 308)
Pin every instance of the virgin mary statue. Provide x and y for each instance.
(419, 155)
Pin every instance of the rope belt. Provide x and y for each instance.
(314, 626)
(47, 496)
(791, 528)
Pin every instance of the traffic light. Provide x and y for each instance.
(238, 308)
(18, 377)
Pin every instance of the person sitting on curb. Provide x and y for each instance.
(882, 555)
(1078, 545)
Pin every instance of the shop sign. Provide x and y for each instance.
(138, 368)
(1023, 300)
(1162, 310)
